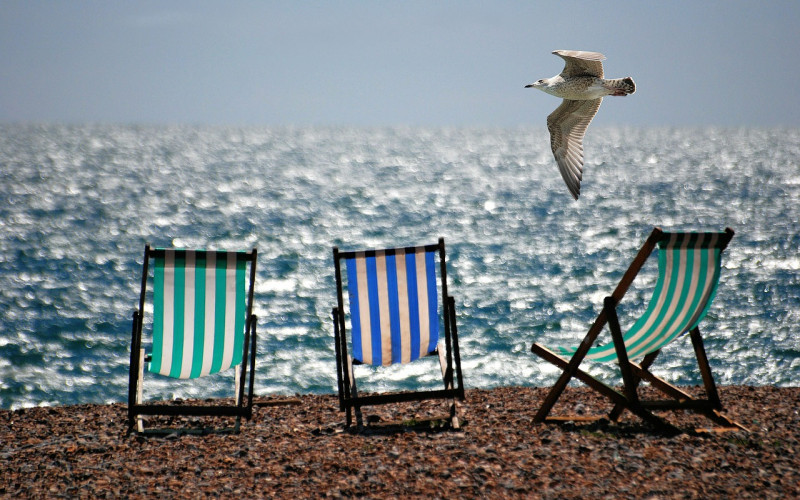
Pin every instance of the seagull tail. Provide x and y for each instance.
(621, 86)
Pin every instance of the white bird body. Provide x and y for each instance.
(579, 88)
(582, 86)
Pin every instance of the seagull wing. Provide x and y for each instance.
(567, 126)
(580, 63)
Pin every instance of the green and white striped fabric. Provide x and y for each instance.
(199, 310)
(688, 274)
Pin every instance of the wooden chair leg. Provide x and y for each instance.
(459, 379)
(252, 356)
(553, 395)
(628, 379)
(139, 390)
(618, 409)
(353, 396)
(340, 385)
(237, 373)
(447, 378)
(570, 370)
(705, 369)
(134, 379)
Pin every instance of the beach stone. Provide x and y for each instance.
(302, 451)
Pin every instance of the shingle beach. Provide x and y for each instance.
(303, 451)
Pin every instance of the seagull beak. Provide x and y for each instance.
(528, 86)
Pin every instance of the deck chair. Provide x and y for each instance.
(688, 274)
(395, 317)
(202, 324)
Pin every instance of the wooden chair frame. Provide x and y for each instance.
(242, 406)
(450, 361)
(633, 373)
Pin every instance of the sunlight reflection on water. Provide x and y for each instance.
(526, 263)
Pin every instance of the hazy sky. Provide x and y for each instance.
(426, 62)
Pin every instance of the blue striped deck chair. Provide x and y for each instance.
(202, 324)
(395, 318)
(688, 275)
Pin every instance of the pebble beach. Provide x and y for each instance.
(298, 447)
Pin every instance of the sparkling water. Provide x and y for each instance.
(526, 263)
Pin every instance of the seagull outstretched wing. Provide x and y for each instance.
(567, 126)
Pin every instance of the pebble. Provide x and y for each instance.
(305, 451)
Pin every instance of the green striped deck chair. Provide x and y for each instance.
(688, 275)
(202, 324)
(395, 318)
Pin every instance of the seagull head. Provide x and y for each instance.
(537, 84)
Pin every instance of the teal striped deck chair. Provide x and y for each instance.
(395, 317)
(688, 275)
(202, 324)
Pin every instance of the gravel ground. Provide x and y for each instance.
(304, 451)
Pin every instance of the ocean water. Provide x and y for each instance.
(526, 263)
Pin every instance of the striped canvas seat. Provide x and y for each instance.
(688, 275)
(199, 308)
(202, 324)
(396, 317)
(393, 304)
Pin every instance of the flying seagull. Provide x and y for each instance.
(582, 86)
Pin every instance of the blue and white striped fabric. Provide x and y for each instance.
(393, 305)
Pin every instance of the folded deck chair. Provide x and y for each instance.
(395, 317)
(202, 324)
(688, 274)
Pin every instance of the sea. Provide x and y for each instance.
(526, 263)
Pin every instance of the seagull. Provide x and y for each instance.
(582, 86)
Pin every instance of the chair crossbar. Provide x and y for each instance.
(193, 411)
(402, 397)
(671, 404)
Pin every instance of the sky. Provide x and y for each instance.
(416, 63)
